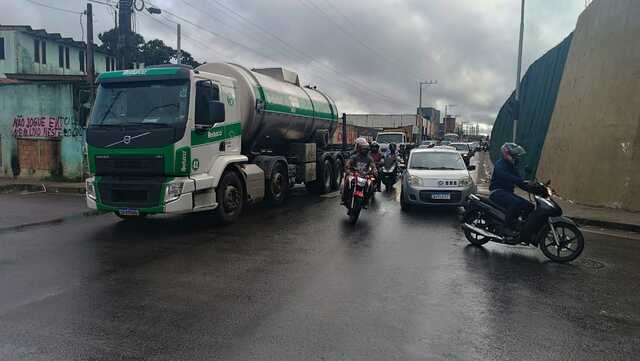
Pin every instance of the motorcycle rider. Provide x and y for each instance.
(503, 181)
(374, 152)
(359, 162)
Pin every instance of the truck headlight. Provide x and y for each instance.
(466, 181)
(91, 189)
(173, 191)
(415, 180)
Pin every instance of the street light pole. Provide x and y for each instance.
(419, 118)
(179, 50)
(517, 98)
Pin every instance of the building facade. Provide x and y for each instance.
(43, 102)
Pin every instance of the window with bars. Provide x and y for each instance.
(66, 57)
(43, 53)
(61, 56)
(1, 48)
(81, 60)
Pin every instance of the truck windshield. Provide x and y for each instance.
(389, 138)
(145, 102)
(436, 161)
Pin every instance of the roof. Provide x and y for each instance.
(50, 36)
(436, 149)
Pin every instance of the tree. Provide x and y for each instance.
(109, 42)
(188, 59)
(155, 52)
(152, 52)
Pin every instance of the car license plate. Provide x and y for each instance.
(441, 196)
(129, 212)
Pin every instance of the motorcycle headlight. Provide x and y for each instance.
(91, 189)
(173, 191)
(465, 182)
(362, 182)
(415, 181)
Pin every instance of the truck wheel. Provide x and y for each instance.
(277, 185)
(327, 177)
(230, 197)
(338, 173)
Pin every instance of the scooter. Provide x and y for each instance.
(558, 237)
(360, 189)
(388, 173)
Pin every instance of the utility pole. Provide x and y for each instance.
(124, 33)
(179, 50)
(419, 118)
(90, 63)
(517, 98)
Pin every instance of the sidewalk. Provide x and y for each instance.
(12, 185)
(581, 214)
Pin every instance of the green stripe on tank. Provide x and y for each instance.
(278, 102)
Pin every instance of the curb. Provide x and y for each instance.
(11, 188)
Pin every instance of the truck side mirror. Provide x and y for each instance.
(216, 111)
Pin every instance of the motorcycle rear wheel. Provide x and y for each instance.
(475, 218)
(571, 242)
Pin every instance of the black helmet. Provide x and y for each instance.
(392, 147)
(374, 146)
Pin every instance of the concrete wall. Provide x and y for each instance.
(40, 112)
(19, 56)
(592, 150)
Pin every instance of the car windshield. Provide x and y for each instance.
(145, 102)
(389, 138)
(460, 146)
(436, 161)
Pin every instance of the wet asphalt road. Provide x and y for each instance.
(299, 283)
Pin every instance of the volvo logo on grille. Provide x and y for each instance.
(127, 139)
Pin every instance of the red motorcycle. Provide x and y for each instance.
(359, 188)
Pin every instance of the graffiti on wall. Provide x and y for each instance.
(45, 127)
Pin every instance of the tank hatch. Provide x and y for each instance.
(281, 74)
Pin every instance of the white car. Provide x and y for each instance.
(436, 176)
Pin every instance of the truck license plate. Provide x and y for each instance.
(129, 212)
(441, 196)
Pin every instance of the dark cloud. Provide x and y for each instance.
(369, 55)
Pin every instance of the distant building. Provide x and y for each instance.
(34, 54)
(449, 124)
(42, 90)
(432, 120)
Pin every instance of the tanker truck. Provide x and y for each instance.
(172, 139)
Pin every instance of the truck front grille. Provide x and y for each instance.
(130, 192)
(130, 165)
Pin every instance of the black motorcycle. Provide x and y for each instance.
(558, 237)
(360, 188)
(388, 172)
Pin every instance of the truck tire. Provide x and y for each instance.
(230, 197)
(277, 185)
(324, 179)
(338, 173)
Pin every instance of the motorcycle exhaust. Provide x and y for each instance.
(482, 232)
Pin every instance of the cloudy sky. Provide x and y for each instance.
(367, 54)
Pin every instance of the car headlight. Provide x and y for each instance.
(415, 181)
(173, 191)
(91, 189)
(466, 181)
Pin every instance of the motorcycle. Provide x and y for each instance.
(558, 237)
(360, 188)
(388, 172)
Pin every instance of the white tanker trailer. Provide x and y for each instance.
(171, 139)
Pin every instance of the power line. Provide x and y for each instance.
(54, 7)
(304, 55)
(261, 54)
(310, 3)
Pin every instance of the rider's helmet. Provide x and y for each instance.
(362, 146)
(374, 146)
(392, 147)
(513, 151)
